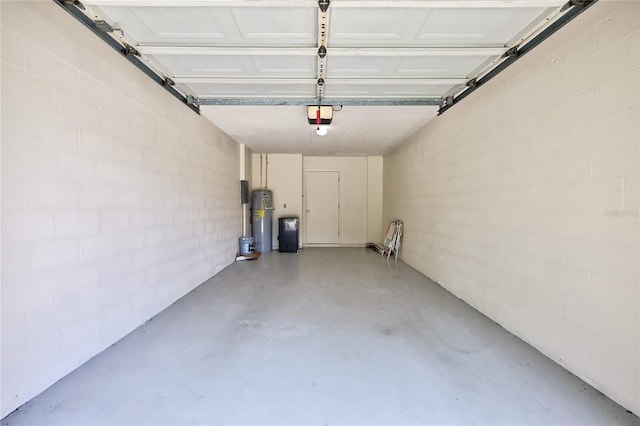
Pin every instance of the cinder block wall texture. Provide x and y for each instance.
(116, 198)
(523, 199)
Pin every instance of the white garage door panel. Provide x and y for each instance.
(266, 52)
(390, 66)
(371, 90)
(352, 26)
(295, 25)
(159, 24)
(256, 26)
(193, 65)
(229, 65)
(438, 66)
(493, 27)
(292, 66)
(415, 26)
(349, 66)
(248, 89)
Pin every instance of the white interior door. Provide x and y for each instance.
(322, 206)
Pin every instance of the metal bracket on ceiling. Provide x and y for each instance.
(472, 83)
(168, 82)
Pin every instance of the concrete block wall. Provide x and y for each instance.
(523, 199)
(116, 198)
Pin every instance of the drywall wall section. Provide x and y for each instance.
(523, 199)
(353, 194)
(360, 191)
(375, 228)
(283, 174)
(116, 198)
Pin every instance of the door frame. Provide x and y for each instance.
(304, 207)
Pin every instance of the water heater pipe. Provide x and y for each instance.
(266, 171)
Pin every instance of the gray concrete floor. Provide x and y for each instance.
(326, 337)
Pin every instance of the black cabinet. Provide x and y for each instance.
(288, 234)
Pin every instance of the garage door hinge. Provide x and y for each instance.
(572, 3)
(511, 52)
(190, 100)
(104, 26)
(130, 50)
(447, 102)
(75, 3)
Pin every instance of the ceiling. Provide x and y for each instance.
(386, 66)
(355, 130)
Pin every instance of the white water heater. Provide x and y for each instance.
(261, 219)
